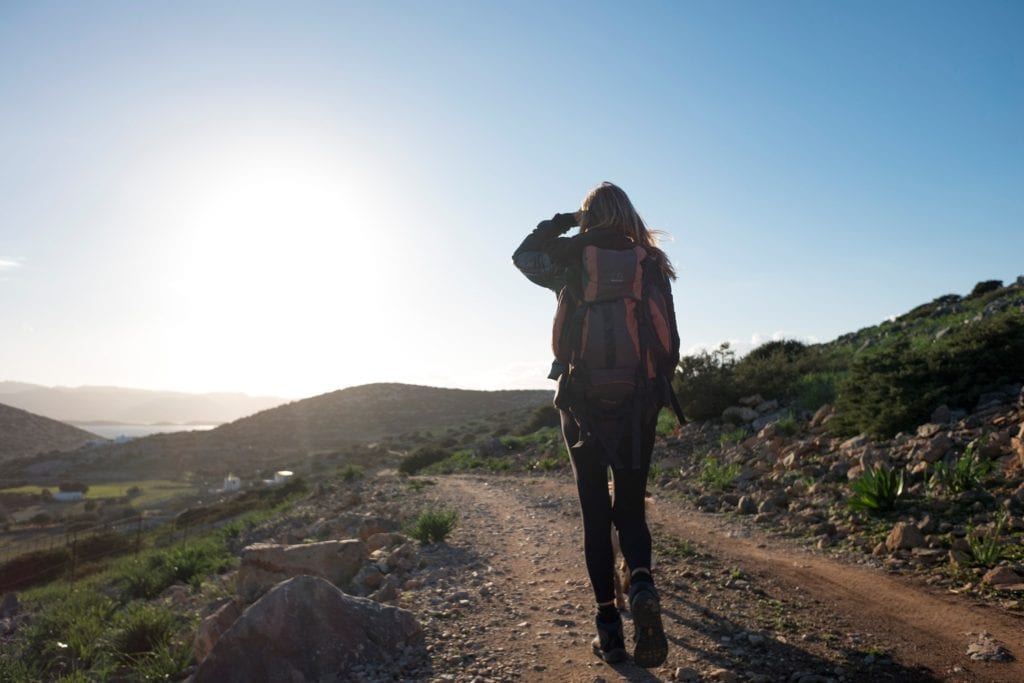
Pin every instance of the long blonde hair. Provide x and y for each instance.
(608, 206)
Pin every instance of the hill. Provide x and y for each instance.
(135, 406)
(278, 436)
(23, 434)
(958, 351)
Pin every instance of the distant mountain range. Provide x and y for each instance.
(24, 434)
(278, 436)
(83, 405)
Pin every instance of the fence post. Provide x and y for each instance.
(74, 542)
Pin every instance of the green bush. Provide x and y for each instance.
(667, 423)
(548, 464)
(544, 416)
(65, 633)
(149, 574)
(141, 629)
(733, 436)
(965, 474)
(876, 490)
(434, 525)
(718, 476)
(421, 458)
(988, 549)
(705, 383)
(984, 287)
(896, 386)
(815, 389)
(788, 425)
(771, 369)
(350, 473)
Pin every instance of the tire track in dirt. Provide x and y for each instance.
(745, 606)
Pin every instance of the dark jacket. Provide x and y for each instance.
(552, 261)
(555, 262)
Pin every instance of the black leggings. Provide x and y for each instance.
(590, 467)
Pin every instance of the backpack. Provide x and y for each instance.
(612, 330)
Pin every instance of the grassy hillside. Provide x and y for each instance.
(277, 437)
(23, 433)
(956, 351)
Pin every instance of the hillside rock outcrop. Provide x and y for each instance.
(306, 629)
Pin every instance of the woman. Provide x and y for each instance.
(598, 439)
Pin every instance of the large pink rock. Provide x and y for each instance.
(305, 629)
(266, 564)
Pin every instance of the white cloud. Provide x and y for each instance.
(8, 264)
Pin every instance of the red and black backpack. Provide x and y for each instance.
(613, 332)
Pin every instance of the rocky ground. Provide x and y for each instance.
(506, 598)
(514, 604)
(765, 572)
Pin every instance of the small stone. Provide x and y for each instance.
(988, 649)
(687, 675)
(1001, 576)
(904, 536)
(746, 506)
(723, 675)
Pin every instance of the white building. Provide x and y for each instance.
(68, 496)
(282, 476)
(232, 483)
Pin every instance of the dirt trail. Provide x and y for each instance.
(738, 605)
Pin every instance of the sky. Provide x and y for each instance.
(291, 198)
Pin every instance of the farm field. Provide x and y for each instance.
(153, 491)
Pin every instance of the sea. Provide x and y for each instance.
(134, 431)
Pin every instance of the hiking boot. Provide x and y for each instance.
(651, 647)
(609, 643)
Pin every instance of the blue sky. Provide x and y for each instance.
(289, 198)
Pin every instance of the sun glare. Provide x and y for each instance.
(277, 262)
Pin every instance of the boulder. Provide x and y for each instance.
(305, 629)
(384, 539)
(401, 559)
(266, 564)
(739, 414)
(1002, 577)
(855, 442)
(367, 580)
(934, 449)
(904, 536)
(212, 627)
(746, 506)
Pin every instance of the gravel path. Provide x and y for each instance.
(511, 602)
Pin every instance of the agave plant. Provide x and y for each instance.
(877, 489)
(966, 472)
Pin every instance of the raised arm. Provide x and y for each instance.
(534, 256)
